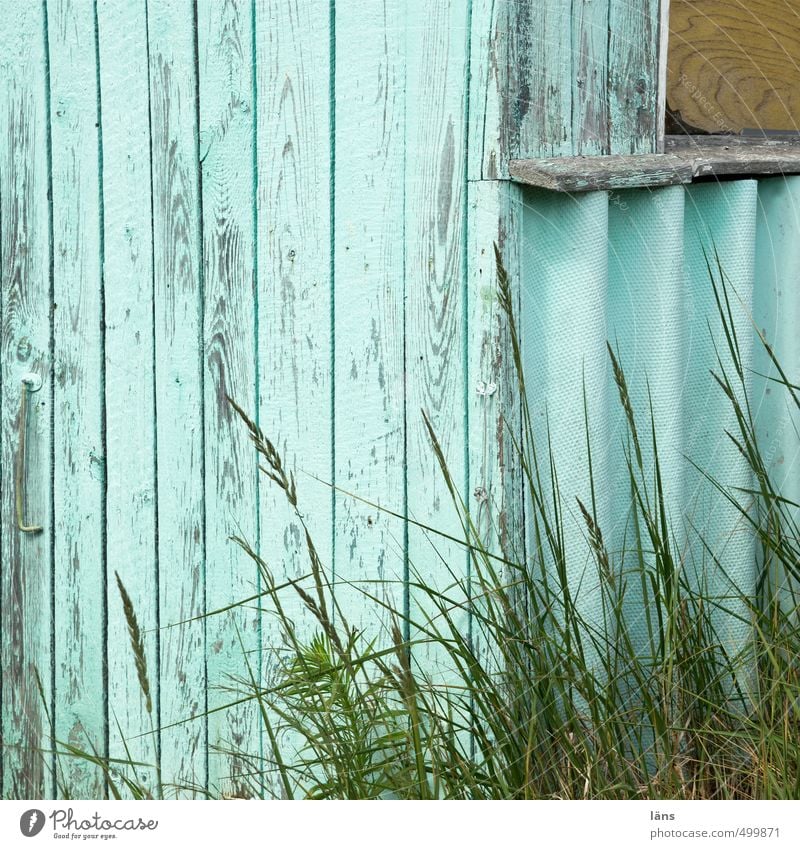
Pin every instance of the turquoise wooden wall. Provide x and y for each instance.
(293, 202)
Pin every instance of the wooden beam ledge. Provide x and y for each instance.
(686, 159)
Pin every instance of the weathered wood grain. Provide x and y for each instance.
(487, 89)
(593, 173)
(687, 158)
(590, 107)
(495, 211)
(24, 348)
(332, 302)
(712, 156)
(179, 392)
(225, 50)
(129, 393)
(79, 449)
(521, 72)
(634, 73)
(293, 44)
(663, 51)
(369, 306)
(553, 78)
(539, 109)
(735, 65)
(435, 331)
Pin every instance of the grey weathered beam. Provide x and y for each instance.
(686, 158)
(755, 156)
(594, 173)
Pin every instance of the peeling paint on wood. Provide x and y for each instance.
(296, 204)
(590, 60)
(369, 306)
(178, 357)
(634, 72)
(25, 347)
(129, 390)
(293, 42)
(494, 496)
(80, 715)
(231, 365)
(436, 294)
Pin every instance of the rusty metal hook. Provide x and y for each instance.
(30, 383)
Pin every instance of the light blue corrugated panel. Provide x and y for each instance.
(565, 242)
(776, 309)
(644, 326)
(630, 267)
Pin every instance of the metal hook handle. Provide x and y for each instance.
(28, 384)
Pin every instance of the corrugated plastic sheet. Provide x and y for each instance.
(630, 267)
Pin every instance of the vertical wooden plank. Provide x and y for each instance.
(435, 188)
(521, 81)
(488, 89)
(557, 78)
(541, 80)
(179, 392)
(293, 44)
(634, 75)
(25, 348)
(495, 484)
(369, 304)
(590, 128)
(79, 453)
(226, 152)
(130, 410)
(663, 52)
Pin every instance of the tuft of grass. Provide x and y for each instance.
(137, 644)
(540, 700)
(533, 697)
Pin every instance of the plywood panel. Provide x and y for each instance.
(735, 65)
